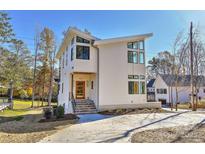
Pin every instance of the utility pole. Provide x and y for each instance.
(191, 60)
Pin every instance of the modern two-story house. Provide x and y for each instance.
(107, 73)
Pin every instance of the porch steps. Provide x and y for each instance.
(85, 107)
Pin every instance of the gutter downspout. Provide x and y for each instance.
(97, 76)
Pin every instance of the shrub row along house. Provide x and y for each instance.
(165, 88)
(100, 74)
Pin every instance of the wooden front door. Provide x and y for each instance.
(80, 90)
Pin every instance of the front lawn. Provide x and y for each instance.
(22, 123)
(22, 107)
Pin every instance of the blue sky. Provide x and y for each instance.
(106, 24)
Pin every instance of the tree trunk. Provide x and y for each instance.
(51, 84)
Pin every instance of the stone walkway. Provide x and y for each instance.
(120, 128)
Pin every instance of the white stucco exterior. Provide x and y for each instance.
(105, 73)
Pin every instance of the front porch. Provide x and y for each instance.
(83, 92)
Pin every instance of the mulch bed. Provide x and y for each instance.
(181, 134)
(71, 117)
(133, 111)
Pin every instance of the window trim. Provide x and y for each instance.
(143, 57)
(83, 40)
(83, 51)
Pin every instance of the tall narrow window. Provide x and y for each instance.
(135, 57)
(133, 87)
(142, 87)
(136, 87)
(71, 54)
(83, 52)
(130, 57)
(62, 88)
(141, 57)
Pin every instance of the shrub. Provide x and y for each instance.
(47, 113)
(59, 112)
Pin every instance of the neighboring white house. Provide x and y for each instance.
(109, 72)
(165, 89)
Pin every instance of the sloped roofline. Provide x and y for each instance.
(123, 39)
(73, 30)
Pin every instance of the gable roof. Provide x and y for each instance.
(151, 83)
(182, 80)
(122, 39)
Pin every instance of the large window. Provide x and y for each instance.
(132, 57)
(133, 87)
(82, 52)
(141, 58)
(136, 45)
(66, 60)
(136, 85)
(82, 40)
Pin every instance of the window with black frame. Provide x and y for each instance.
(82, 52)
(82, 40)
(132, 57)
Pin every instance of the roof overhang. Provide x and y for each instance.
(124, 39)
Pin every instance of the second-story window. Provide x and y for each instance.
(82, 52)
(132, 57)
(141, 58)
(82, 40)
(71, 53)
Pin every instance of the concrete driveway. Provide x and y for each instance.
(120, 128)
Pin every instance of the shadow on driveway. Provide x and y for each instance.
(126, 134)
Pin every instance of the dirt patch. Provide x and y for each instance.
(28, 129)
(133, 111)
(181, 134)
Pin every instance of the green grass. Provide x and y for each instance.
(22, 107)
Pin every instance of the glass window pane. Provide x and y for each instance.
(71, 54)
(135, 45)
(82, 40)
(135, 57)
(129, 45)
(142, 87)
(141, 57)
(130, 76)
(130, 57)
(136, 88)
(136, 76)
(130, 87)
(141, 45)
(82, 52)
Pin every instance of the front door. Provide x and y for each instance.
(80, 90)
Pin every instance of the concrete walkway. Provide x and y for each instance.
(120, 128)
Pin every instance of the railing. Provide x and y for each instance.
(73, 104)
(4, 104)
